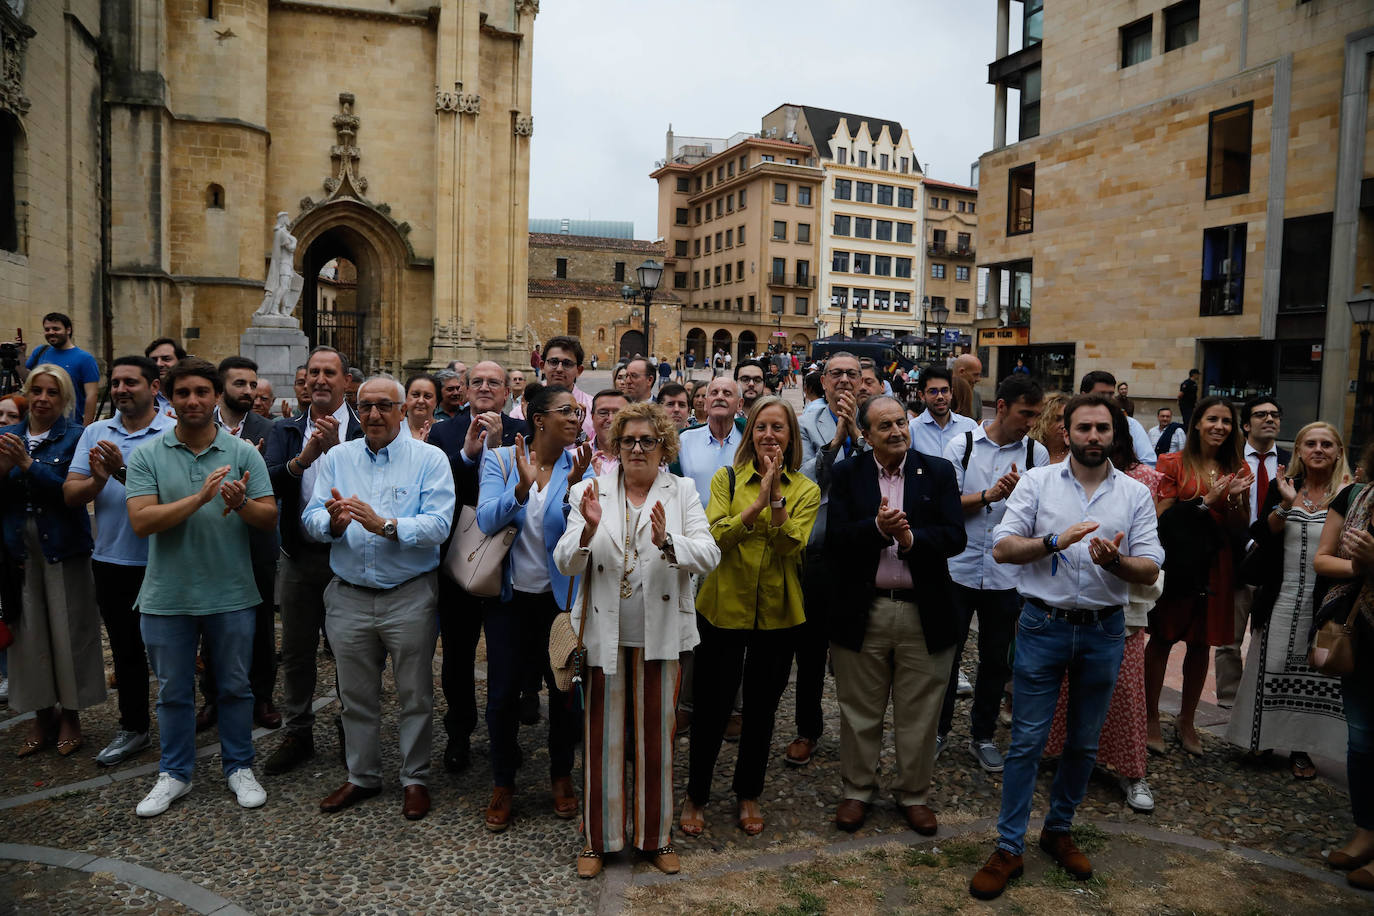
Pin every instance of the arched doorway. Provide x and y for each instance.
(631, 343)
(800, 344)
(696, 343)
(748, 345)
(720, 341)
(336, 316)
(334, 311)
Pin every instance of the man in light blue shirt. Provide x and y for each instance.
(706, 449)
(120, 557)
(937, 425)
(385, 502)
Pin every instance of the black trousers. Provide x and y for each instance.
(262, 673)
(116, 590)
(460, 628)
(812, 647)
(761, 659)
(997, 611)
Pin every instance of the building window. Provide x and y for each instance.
(696, 214)
(1306, 265)
(801, 305)
(901, 302)
(881, 299)
(961, 206)
(861, 262)
(904, 268)
(803, 273)
(751, 304)
(764, 157)
(780, 192)
(937, 241)
(1223, 270)
(965, 240)
(708, 244)
(904, 232)
(679, 279)
(803, 232)
(779, 303)
(730, 203)
(883, 230)
(885, 194)
(696, 248)
(1228, 150)
(792, 160)
(864, 192)
(883, 160)
(906, 197)
(1180, 25)
(742, 195)
(904, 164)
(739, 235)
(882, 265)
(863, 159)
(717, 275)
(680, 248)
(710, 180)
(779, 270)
(860, 298)
(696, 279)
(739, 270)
(839, 295)
(214, 197)
(937, 271)
(1021, 199)
(574, 322)
(739, 303)
(961, 306)
(961, 273)
(1032, 23)
(730, 168)
(937, 300)
(720, 207)
(683, 185)
(680, 217)
(863, 227)
(779, 231)
(719, 236)
(842, 188)
(744, 162)
(601, 335)
(729, 268)
(841, 156)
(972, 207)
(620, 271)
(1029, 124)
(698, 184)
(560, 268)
(804, 195)
(729, 238)
(1135, 42)
(839, 262)
(841, 224)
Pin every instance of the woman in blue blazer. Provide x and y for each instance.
(526, 485)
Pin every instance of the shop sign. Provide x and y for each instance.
(1004, 337)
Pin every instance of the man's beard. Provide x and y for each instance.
(1080, 454)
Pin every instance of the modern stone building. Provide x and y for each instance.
(151, 144)
(576, 285)
(950, 277)
(1179, 185)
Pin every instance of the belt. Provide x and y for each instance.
(1077, 616)
(896, 594)
(371, 590)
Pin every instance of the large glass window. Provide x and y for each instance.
(904, 268)
(1180, 25)
(937, 271)
(904, 232)
(804, 195)
(1029, 125)
(1135, 42)
(841, 224)
(839, 262)
(864, 192)
(906, 197)
(843, 188)
(885, 194)
(801, 305)
(882, 230)
(882, 265)
(1228, 150)
(863, 227)
(779, 270)
(1033, 23)
(861, 262)
(780, 192)
(1223, 270)
(1021, 199)
(1306, 266)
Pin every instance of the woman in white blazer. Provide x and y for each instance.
(634, 536)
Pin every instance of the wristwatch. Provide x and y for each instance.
(1051, 542)
(389, 530)
(780, 504)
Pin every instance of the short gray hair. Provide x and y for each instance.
(389, 379)
(867, 405)
(443, 375)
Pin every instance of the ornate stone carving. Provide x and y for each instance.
(457, 100)
(522, 127)
(527, 7)
(346, 180)
(14, 38)
(306, 204)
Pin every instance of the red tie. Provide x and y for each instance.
(1262, 480)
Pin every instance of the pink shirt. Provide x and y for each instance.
(892, 569)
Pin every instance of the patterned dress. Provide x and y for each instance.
(1282, 703)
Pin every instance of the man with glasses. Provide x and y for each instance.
(750, 375)
(562, 366)
(384, 553)
(938, 424)
(453, 394)
(605, 456)
(464, 439)
(638, 382)
(1259, 419)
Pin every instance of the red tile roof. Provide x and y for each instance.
(950, 185)
(558, 240)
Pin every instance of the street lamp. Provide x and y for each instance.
(925, 330)
(1362, 314)
(649, 274)
(842, 303)
(940, 313)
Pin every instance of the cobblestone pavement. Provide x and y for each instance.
(288, 857)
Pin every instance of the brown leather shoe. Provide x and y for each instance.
(564, 800)
(851, 814)
(346, 795)
(1340, 860)
(992, 878)
(666, 860)
(1059, 844)
(921, 819)
(499, 808)
(682, 723)
(799, 752)
(416, 803)
(588, 863)
(206, 716)
(265, 715)
(1363, 878)
(733, 726)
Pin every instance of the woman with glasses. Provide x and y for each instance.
(526, 485)
(634, 535)
(761, 512)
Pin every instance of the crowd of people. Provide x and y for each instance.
(708, 541)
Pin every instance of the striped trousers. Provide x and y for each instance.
(643, 696)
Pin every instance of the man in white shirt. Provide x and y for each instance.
(1082, 532)
(1102, 382)
(938, 424)
(987, 463)
(1178, 437)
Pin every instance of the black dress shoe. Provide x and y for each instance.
(294, 750)
(457, 756)
(347, 795)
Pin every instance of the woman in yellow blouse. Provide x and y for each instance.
(761, 512)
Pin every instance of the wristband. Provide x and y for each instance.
(983, 495)
(120, 474)
(1051, 542)
(1116, 562)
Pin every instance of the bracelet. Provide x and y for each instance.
(1116, 561)
(983, 496)
(1281, 512)
(242, 503)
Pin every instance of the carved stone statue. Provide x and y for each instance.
(282, 289)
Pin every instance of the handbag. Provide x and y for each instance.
(1333, 646)
(567, 652)
(474, 559)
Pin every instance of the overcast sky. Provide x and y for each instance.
(610, 75)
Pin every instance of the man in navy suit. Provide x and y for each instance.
(894, 522)
(464, 438)
(294, 445)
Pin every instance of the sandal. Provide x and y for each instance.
(68, 746)
(750, 824)
(588, 863)
(1302, 766)
(691, 826)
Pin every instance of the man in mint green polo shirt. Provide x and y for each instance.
(193, 493)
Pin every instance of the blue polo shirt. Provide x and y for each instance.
(115, 541)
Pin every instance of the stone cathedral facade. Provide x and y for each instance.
(147, 146)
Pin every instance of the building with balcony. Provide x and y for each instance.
(740, 220)
(1181, 185)
(950, 275)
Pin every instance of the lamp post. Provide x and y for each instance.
(649, 274)
(925, 330)
(1362, 314)
(777, 313)
(941, 314)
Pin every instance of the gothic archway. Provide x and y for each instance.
(631, 344)
(696, 343)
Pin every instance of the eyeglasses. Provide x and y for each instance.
(366, 407)
(1262, 414)
(644, 443)
(560, 363)
(751, 379)
(486, 383)
(937, 392)
(842, 373)
(567, 411)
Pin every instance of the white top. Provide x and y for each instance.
(1271, 464)
(35, 438)
(987, 463)
(632, 608)
(1050, 499)
(1176, 442)
(528, 555)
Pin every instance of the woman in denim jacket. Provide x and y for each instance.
(56, 657)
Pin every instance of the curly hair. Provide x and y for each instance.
(650, 413)
(1051, 414)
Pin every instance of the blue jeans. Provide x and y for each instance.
(1045, 650)
(171, 640)
(1358, 691)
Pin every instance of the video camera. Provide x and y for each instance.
(10, 355)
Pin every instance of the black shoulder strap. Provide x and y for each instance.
(730, 469)
(968, 449)
(1030, 453)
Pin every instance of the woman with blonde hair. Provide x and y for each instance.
(1281, 701)
(749, 608)
(1048, 428)
(56, 659)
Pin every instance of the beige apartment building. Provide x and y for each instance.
(740, 219)
(951, 281)
(1180, 185)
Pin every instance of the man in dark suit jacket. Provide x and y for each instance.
(894, 522)
(292, 447)
(464, 439)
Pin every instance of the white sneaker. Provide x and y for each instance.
(167, 790)
(247, 789)
(940, 741)
(965, 688)
(1138, 795)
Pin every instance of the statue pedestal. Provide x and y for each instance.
(277, 351)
